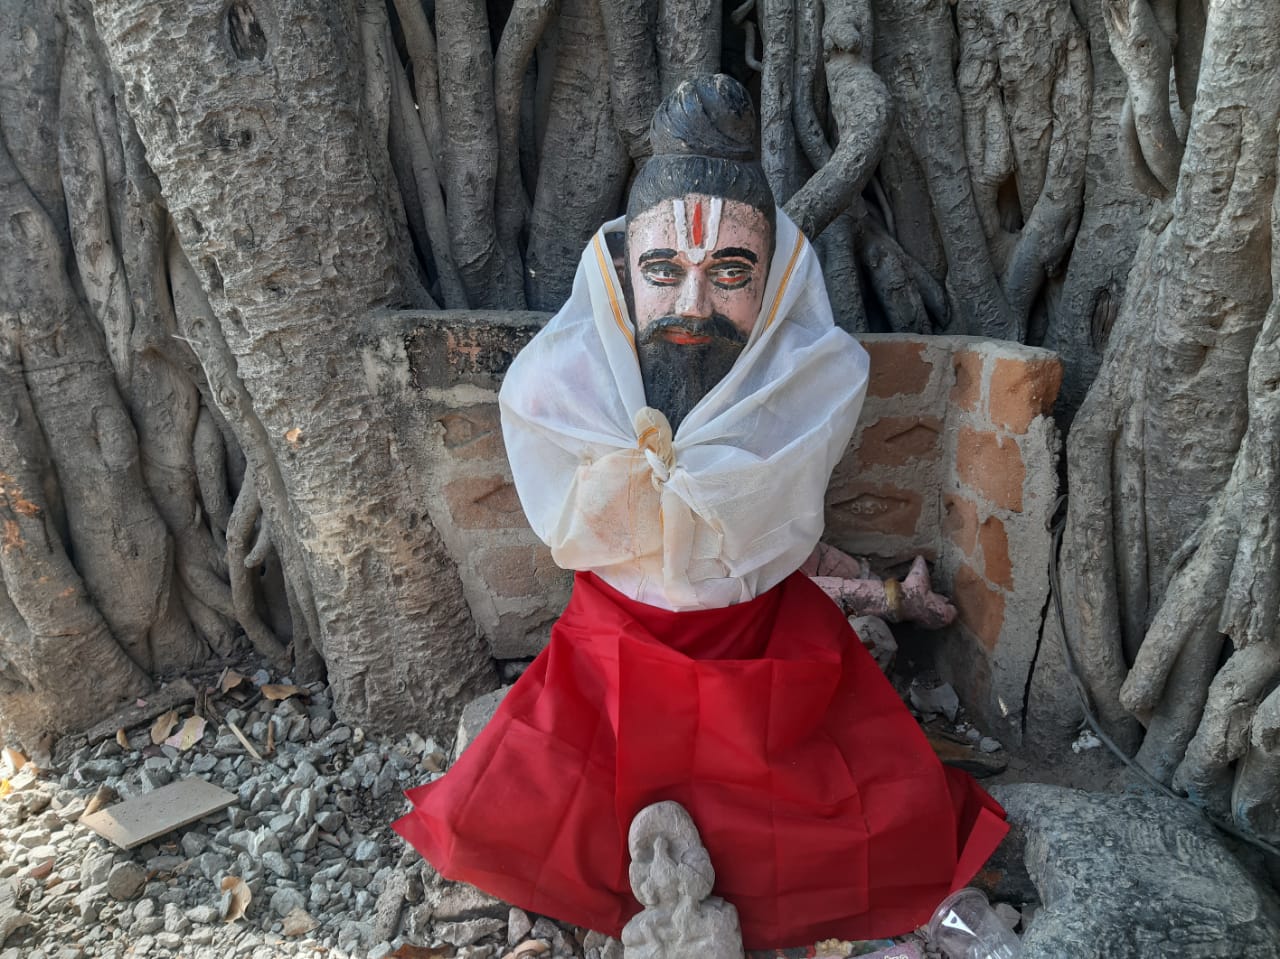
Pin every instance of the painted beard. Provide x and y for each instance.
(676, 374)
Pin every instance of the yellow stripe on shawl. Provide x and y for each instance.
(618, 316)
(786, 278)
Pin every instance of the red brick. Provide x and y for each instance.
(473, 432)
(979, 607)
(1021, 390)
(992, 466)
(895, 440)
(897, 367)
(967, 392)
(960, 522)
(484, 502)
(995, 552)
(520, 571)
(879, 508)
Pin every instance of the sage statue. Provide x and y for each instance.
(671, 433)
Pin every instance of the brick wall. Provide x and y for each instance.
(954, 457)
(440, 374)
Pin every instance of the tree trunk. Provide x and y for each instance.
(291, 287)
(1169, 540)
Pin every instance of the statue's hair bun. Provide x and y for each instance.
(704, 141)
(710, 116)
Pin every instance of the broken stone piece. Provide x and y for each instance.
(599, 946)
(388, 906)
(1008, 915)
(939, 699)
(468, 931)
(518, 926)
(298, 922)
(671, 874)
(878, 639)
(125, 881)
(475, 716)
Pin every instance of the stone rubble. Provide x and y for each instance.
(937, 699)
(309, 835)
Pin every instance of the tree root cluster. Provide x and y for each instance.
(508, 158)
(1172, 581)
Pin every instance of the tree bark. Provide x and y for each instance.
(471, 155)
(1197, 298)
(1114, 212)
(688, 40)
(635, 82)
(584, 163)
(123, 549)
(212, 144)
(914, 51)
(860, 104)
(779, 147)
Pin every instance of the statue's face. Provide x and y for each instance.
(696, 270)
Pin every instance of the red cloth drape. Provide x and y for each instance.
(823, 808)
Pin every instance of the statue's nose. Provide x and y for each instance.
(694, 301)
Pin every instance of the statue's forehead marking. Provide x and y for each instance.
(697, 229)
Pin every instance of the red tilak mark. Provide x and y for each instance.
(697, 224)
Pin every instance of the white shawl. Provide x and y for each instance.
(734, 504)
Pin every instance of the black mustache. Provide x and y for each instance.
(718, 326)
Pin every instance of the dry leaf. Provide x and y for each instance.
(162, 728)
(188, 735)
(13, 760)
(273, 691)
(422, 952)
(243, 740)
(6, 787)
(298, 922)
(230, 680)
(104, 796)
(235, 897)
(122, 738)
(530, 947)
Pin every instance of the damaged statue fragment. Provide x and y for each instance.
(672, 876)
(671, 432)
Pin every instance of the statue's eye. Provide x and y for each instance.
(662, 272)
(731, 275)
